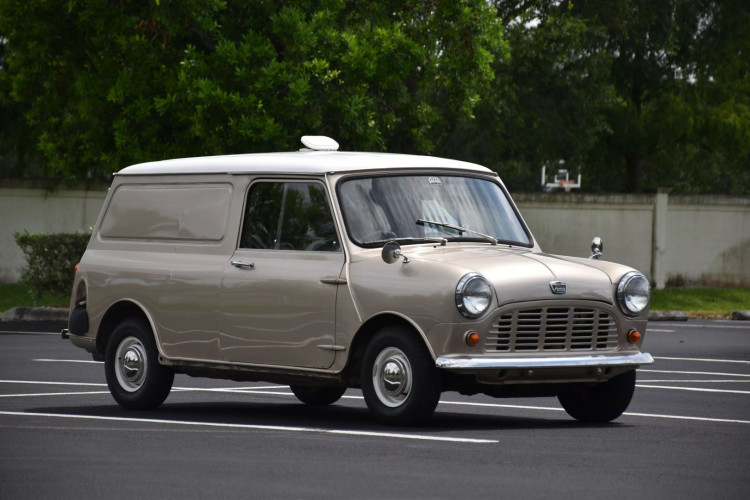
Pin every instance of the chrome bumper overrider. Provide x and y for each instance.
(497, 362)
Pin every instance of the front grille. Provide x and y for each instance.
(553, 329)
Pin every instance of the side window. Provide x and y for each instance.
(289, 216)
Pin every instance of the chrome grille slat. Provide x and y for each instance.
(556, 328)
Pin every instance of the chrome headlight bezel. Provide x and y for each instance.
(633, 293)
(473, 295)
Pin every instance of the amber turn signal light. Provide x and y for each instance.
(634, 336)
(472, 338)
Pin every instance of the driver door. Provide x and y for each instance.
(278, 289)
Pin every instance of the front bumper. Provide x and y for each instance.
(458, 362)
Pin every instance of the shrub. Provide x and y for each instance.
(51, 259)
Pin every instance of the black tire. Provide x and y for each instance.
(399, 380)
(318, 396)
(135, 378)
(599, 403)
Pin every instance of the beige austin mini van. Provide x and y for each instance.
(404, 276)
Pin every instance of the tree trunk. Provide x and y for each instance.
(633, 173)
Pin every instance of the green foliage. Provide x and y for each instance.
(51, 260)
(697, 302)
(638, 94)
(17, 295)
(635, 94)
(103, 85)
(551, 96)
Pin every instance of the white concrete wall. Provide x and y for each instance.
(41, 211)
(565, 224)
(708, 241)
(675, 240)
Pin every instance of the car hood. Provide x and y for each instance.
(521, 275)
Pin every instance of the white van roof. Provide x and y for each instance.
(306, 162)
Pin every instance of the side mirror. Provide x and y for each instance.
(597, 248)
(392, 252)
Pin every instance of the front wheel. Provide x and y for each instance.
(318, 396)
(599, 403)
(135, 378)
(399, 380)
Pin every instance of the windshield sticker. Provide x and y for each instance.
(435, 180)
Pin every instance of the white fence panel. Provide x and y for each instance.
(674, 240)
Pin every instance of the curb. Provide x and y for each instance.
(36, 314)
(667, 316)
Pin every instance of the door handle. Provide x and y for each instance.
(243, 265)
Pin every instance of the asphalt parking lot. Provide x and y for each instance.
(686, 434)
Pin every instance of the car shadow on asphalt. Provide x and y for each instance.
(333, 417)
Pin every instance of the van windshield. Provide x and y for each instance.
(407, 207)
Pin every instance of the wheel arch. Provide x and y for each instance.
(116, 313)
(367, 331)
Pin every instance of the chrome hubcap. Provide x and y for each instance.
(130, 364)
(392, 377)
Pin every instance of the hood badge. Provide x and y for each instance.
(558, 287)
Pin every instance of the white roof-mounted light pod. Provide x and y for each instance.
(320, 143)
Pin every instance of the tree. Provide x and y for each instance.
(664, 81)
(105, 84)
(718, 149)
(550, 96)
(640, 94)
(636, 94)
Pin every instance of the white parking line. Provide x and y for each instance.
(641, 370)
(40, 382)
(89, 384)
(631, 414)
(18, 332)
(704, 360)
(314, 430)
(664, 358)
(260, 390)
(692, 389)
(175, 389)
(69, 361)
(675, 381)
(265, 389)
(36, 394)
(697, 419)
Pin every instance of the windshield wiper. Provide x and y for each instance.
(422, 222)
(407, 241)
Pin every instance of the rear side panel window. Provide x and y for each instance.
(289, 216)
(194, 212)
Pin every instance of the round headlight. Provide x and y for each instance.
(473, 295)
(633, 293)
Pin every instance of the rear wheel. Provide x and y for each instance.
(135, 378)
(399, 380)
(318, 396)
(599, 403)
